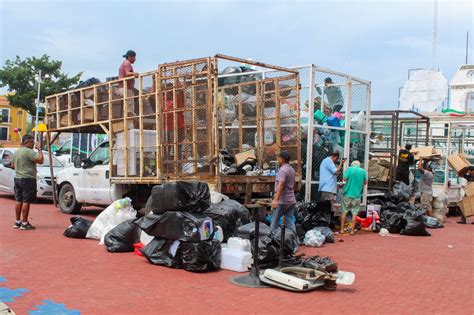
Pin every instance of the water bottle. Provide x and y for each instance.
(345, 278)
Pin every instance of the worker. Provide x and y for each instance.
(24, 164)
(355, 178)
(469, 176)
(284, 200)
(405, 159)
(426, 186)
(333, 94)
(126, 71)
(328, 178)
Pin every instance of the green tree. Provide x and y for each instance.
(19, 77)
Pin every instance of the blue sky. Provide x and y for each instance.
(375, 40)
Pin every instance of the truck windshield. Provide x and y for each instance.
(101, 154)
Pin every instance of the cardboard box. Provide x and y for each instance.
(459, 163)
(244, 156)
(467, 206)
(425, 152)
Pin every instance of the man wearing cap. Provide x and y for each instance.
(126, 71)
(333, 94)
(284, 200)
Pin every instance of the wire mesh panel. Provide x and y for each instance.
(186, 120)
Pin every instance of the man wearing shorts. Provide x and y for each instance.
(355, 178)
(24, 163)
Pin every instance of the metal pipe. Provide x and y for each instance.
(38, 80)
(446, 166)
(367, 142)
(310, 137)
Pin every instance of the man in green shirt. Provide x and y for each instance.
(355, 178)
(24, 164)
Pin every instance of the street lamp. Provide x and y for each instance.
(38, 80)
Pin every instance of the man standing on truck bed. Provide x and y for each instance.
(24, 164)
(284, 201)
(126, 71)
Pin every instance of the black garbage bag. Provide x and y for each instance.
(248, 230)
(301, 210)
(88, 82)
(327, 232)
(432, 223)
(228, 215)
(122, 237)
(158, 252)
(268, 250)
(200, 256)
(291, 241)
(390, 206)
(392, 221)
(415, 225)
(78, 229)
(300, 232)
(318, 215)
(179, 196)
(177, 225)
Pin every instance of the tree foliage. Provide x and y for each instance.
(19, 77)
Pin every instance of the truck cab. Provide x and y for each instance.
(87, 182)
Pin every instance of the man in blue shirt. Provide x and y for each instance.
(328, 177)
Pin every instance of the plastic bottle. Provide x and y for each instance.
(345, 277)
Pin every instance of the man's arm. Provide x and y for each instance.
(339, 167)
(130, 73)
(420, 166)
(277, 196)
(40, 158)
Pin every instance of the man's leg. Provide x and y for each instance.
(355, 208)
(344, 206)
(25, 212)
(276, 215)
(18, 206)
(290, 218)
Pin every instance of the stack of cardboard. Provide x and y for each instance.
(378, 171)
(459, 163)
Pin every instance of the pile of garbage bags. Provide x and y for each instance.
(182, 229)
(183, 234)
(403, 218)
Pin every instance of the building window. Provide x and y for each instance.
(5, 115)
(3, 133)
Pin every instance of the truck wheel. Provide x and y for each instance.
(67, 200)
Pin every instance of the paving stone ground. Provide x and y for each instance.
(417, 275)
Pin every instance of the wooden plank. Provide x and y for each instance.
(159, 127)
(255, 63)
(111, 131)
(140, 123)
(194, 122)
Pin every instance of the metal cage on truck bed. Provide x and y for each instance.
(171, 123)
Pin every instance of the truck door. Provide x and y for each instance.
(96, 179)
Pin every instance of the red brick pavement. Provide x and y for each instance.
(394, 275)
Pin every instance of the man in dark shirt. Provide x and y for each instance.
(405, 159)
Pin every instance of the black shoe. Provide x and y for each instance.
(17, 225)
(27, 226)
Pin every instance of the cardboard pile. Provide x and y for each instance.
(459, 163)
(378, 170)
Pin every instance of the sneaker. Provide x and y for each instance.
(27, 226)
(17, 225)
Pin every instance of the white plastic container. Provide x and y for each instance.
(235, 260)
(237, 243)
(145, 238)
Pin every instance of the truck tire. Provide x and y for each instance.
(67, 200)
